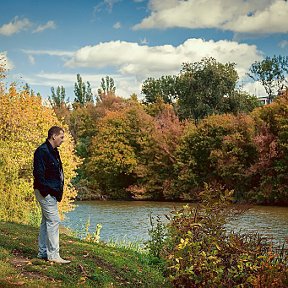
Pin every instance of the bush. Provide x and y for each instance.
(199, 252)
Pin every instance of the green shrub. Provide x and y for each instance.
(158, 234)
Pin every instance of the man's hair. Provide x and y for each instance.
(54, 130)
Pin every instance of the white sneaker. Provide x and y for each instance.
(60, 261)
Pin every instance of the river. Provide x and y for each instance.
(129, 221)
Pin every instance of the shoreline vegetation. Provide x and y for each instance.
(137, 151)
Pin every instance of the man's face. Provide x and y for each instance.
(58, 139)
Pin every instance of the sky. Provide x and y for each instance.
(47, 43)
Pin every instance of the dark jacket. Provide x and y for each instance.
(47, 171)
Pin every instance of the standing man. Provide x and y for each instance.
(48, 187)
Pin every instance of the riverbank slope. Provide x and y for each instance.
(93, 265)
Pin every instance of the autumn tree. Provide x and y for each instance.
(24, 123)
(218, 150)
(116, 150)
(271, 72)
(84, 125)
(160, 156)
(83, 119)
(132, 153)
(270, 171)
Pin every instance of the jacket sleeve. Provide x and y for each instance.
(39, 173)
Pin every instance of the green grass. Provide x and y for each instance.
(92, 265)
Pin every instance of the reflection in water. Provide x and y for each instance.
(129, 220)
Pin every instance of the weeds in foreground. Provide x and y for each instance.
(136, 246)
(92, 237)
(158, 234)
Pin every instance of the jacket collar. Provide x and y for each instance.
(54, 152)
(51, 149)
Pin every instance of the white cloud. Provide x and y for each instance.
(270, 19)
(143, 61)
(5, 61)
(255, 88)
(15, 26)
(144, 41)
(242, 16)
(31, 59)
(133, 63)
(105, 4)
(48, 52)
(283, 44)
(49, 25)
(52, 79)
(117, 25)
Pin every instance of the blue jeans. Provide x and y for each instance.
(48, 239)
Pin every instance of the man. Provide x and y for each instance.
(48, 187)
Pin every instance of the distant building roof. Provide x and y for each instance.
(264, 100)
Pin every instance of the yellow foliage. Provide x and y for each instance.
(24, 123)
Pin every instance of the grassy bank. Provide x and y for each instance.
(93, 265)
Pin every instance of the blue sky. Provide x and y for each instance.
(46, 43)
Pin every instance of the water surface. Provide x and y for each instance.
(130, 220)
